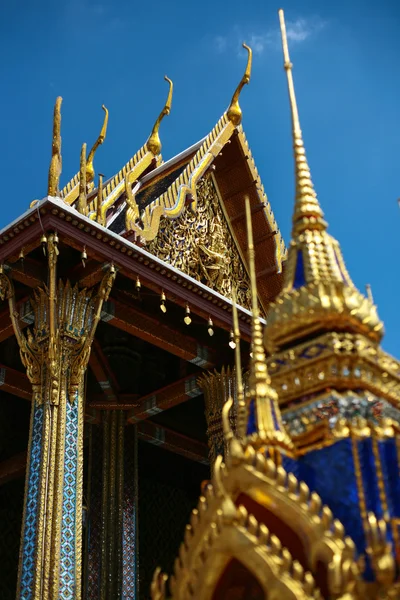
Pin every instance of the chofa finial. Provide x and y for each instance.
(56, 161)
(234, 112)
(154, 142)
(307, 213)
(98, 142)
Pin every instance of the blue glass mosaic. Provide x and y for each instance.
(29, 535)
(368, 471)
(390, 471)
(69, 516)
(330, 472)
(251, 418)
(299, 277)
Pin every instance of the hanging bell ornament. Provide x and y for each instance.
(43, 241)
(138, 285)
(187, 318)
(163, 308)
(210, 327)
(232, 342)
(21, 255)
(84, 257)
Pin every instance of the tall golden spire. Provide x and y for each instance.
(307, 212)
(154, 142)
(262, 399)
(98, 142)
(56, 162)
(234, 112)
(318, 293)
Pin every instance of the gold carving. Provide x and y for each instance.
(71, 191)
(56, 353)
(202, 246)
(154, 142)
(82, 203)
(98, 142)
(234, 112)
(56, 161)
(221, 529)
(318, 292)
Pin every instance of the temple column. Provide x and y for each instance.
(217, 388)
(112, 515)
(55, 354)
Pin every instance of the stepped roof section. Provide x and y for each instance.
(147, 192)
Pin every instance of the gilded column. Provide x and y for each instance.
(217, 388)
(55, 354)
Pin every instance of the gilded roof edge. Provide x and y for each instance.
(172, 202)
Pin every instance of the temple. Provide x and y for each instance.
(158, 341)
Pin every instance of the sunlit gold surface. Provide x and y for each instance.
(71, 191)
(234, 112)
(270, 431)
(154, 142)
(56, 161)
(327, 298)
(55, 354)
(206, 250)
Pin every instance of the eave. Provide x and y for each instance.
(131, 260)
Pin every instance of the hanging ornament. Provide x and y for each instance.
(187, 318)
(163, 308)
(21, 255)
(232, 342)
(210, 327)
(56, 240)
(84, 257)
(138, 285)
(43, 241)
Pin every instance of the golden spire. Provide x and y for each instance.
(82, 199)
(56, 161)
(154, 142)
(98, 142)
(269, 428)
(234, 112)
(318, 293)
(307, 213)
(242, 411)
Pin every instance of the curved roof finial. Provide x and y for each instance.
(234, 112)
(154, 142)
(98, 142)
(307, 212)
(56, 160)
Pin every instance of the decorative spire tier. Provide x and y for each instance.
(318, 294)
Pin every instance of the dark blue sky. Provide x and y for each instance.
(346, 68)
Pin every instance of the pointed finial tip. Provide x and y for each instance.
(234, 112)
(154, 142)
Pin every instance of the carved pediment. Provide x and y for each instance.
(202, 245)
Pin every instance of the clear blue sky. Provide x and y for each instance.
(346, 58)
